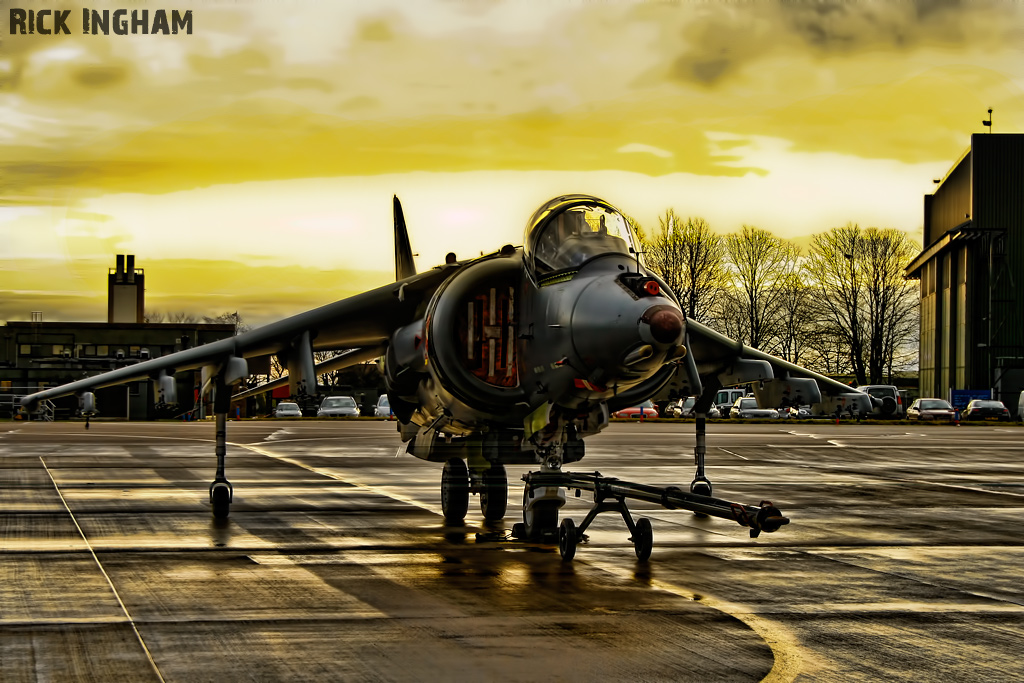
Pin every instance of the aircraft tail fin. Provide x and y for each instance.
(404, 264)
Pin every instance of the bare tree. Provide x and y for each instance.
(689, 256)
(758, 263)
(892, 300)
(862, 294)
(795, 324)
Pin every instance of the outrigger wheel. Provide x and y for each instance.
(455, 490)
(220, 499)
(494, 493)
(643, 539)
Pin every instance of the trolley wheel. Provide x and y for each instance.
(567, 539)
(455, 490)
(494, 494)
(643, 539)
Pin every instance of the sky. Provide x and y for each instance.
(249, 166)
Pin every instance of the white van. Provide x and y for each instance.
(726, 398)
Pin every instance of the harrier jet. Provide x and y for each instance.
(515, 357)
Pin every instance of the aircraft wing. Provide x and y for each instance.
(364, 321)
(340, 362)
(724, 361)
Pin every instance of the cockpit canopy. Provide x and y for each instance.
(568, 231)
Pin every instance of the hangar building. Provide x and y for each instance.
(972, 273)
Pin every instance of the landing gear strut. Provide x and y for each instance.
(221, 491)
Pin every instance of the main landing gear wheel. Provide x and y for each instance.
(220, 499)
(494, 493)
(643, 539)
(567, 539)
(541, 519)
(455, 490)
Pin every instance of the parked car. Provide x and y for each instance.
(725, 399)
(683, 407)
(980, 409)
(287, 409)
(930, 409)
(338, 406)
(745, 408)
(891, 402)
(796, 412)
(644, 411)
(383, 408)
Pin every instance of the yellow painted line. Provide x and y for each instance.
(784, 645)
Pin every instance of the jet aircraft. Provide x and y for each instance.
(515, 357)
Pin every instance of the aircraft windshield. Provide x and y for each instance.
(569, 231)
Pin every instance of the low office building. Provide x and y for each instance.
(35, 355)
(972, 273)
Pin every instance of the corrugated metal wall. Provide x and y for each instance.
(999, 207)
(951, 202)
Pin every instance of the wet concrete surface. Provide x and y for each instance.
(902, 562)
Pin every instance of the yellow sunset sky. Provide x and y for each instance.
(250, 165)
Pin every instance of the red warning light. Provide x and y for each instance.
(652, 288)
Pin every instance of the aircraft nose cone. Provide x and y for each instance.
(665, 323)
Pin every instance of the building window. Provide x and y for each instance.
(25, 350)
(89, 350)
(58, 349)
(102, 350)
(133, 351)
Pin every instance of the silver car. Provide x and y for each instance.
(287, 409)
(683, 407)
(338, 406)
(746, 408)
(383, 408)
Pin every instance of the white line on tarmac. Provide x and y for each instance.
(436, 509)
(103, 571)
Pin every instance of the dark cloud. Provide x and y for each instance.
(718, 41)
(100, 76)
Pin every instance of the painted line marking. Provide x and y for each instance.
(103, 571)
(436, 509)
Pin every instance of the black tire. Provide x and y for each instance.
(220, 501)
(567, 539)
(455, 490)
(494, 494)
(540, 521)
(643, 539)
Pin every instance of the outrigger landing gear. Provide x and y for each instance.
(221, 491)
(610, 495)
